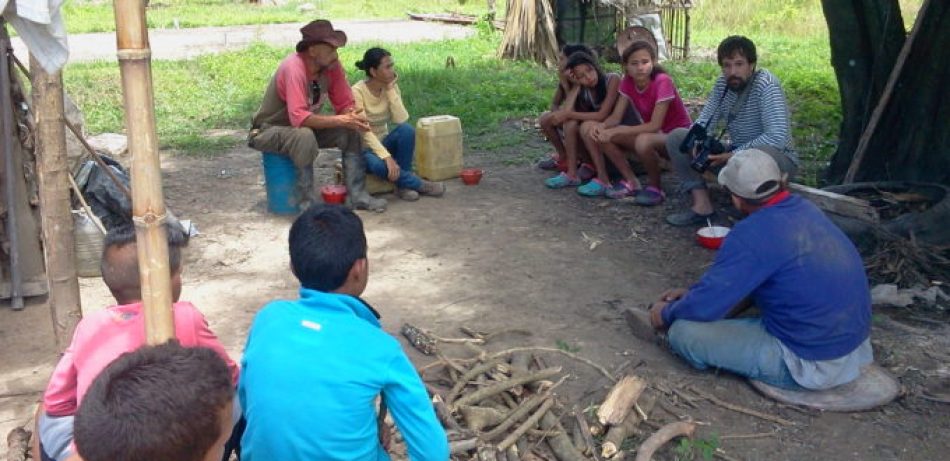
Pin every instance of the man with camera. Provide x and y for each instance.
(791, 262)
(290, 122)
(749, 105)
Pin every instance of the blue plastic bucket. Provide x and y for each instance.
(280, 179)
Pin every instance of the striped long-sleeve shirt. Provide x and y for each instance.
(762, 121)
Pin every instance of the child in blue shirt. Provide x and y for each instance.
(315, 366)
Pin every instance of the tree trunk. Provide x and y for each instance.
(912, 138)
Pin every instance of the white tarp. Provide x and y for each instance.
(40, 24)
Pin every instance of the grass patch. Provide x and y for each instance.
(220, 92)
(193, 97)
(84, 16)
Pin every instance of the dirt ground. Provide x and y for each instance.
(509, 254)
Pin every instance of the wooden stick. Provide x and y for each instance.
(419, 339)
(528, 424)
(585, 434)
(468, 376)
(620, 400)
(461, 446)
(561, 444)
(616, 434)
(443, 413)
(526, 407)
(479, 418)
(85, 206)
(740, 409)
(55, 209)
(758, 435)
(660, 437)
(593, 364)
(885, 97)
(18, 444)
(494, 389)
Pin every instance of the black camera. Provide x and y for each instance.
(705, 146)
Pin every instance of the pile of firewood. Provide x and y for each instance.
(505, 406)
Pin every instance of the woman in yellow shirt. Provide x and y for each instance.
(388, 152)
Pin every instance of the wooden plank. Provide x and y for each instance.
(839, 204)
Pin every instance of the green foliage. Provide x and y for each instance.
(84, 16)
(566, 346)
(694, 449)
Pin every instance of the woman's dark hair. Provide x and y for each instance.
(736, 44)
(582, 58)
(372, 58)
(572, 48)
(643, 45)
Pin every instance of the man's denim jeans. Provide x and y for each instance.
(741, 346)
(401, 144)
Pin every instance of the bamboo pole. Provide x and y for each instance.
(55, 210)
(148, 204)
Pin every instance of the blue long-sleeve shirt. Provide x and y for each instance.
(800, 270)
(312, 369)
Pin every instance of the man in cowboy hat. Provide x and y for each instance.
(290, 121)
(791, 262)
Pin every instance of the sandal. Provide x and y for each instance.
(594, 188)
(550, 163)
(649, 196)
(586, 172)
(622, 189)
(561, 181)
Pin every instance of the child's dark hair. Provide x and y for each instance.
(325, 242)
(372, 58)
(736, 44)
(160, 403)
(572, 48)
(122, 275)
(582, 58)
(643, 45)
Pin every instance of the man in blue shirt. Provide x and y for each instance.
(791, 262)
(314, 367)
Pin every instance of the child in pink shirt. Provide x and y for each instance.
(648, 89)
(103, 336)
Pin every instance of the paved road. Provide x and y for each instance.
(188, 43)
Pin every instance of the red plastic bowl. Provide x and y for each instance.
(471, 176)
(333, 194)
(711, 237)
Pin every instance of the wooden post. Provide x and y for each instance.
(148, 203)
(10, 172)
(55, 209)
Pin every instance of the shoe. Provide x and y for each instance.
(639, 322)
(549, 163)
(408, 195)
(561, 181)
(594, 188)
(689, 218)
(649, 196)
(354, 176)
(586, 172)
(622, 189)
(432, 189)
